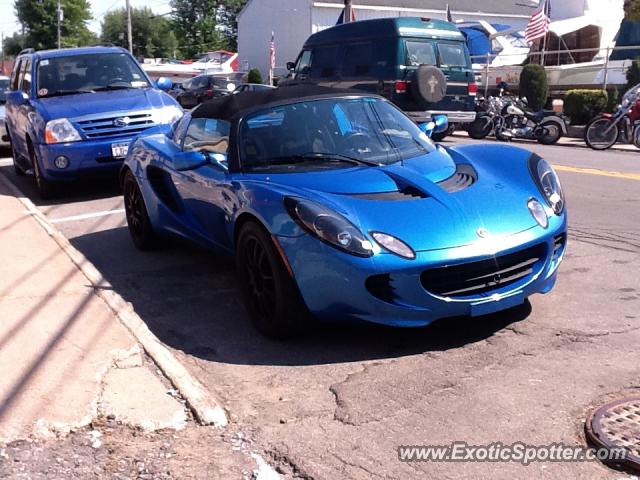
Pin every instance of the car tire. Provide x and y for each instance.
(272, 298)
(140, 228)
(14, 155)
(429, 84)
(46, 189)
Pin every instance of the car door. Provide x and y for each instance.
(20, 113)
(206, 191)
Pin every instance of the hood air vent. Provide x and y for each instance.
(464, 177)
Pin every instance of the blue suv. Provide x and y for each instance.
(72, 112)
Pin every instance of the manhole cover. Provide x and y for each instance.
(617, 425)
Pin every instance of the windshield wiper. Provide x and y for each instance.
(113, 86)
(58, 93)
(336, 157)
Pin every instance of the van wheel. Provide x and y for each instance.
(429, 84)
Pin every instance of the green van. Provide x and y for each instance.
(421, 65)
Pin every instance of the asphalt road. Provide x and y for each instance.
(338, 403)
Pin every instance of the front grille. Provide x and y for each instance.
(484, 276)
(380, 286)
(406, 193)
(105, 127)
(558, 245)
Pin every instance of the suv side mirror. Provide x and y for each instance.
(291, 66)
(189, 160)
(164, 83)
(17, 97)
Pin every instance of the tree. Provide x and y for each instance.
(632, 10)
(254, 76)
(152, 35)
(534, 86)
(204, 25)
(13, 44)
(228, 21)
(39, 19)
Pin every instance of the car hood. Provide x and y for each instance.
(71, 106)
(429, 215)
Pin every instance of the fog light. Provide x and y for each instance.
(538, 212)
(61, 162)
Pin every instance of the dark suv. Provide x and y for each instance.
(421, 65)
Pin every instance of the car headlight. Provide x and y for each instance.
(394, 245)
(548, 183)
(60, 131)
(329, 226)
(168, 115)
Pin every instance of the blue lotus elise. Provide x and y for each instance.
(336, 205)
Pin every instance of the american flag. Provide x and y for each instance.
(341, 17)
(272, 52)
(539, 22)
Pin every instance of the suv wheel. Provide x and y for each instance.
(46, 189)
(16, 166)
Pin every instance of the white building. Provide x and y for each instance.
(292, 21)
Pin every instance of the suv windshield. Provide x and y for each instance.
(88, 73)
(329, 133)
(4, 85)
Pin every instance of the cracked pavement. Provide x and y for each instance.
(338, 403)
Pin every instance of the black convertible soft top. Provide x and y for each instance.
(230, 106)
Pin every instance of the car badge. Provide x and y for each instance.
(122, 121)
(483, 233)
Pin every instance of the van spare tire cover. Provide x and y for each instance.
(430, 84)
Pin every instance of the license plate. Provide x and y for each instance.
(119, 150)
(492, 306)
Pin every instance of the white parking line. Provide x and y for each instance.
(87, 215)
(5, 162)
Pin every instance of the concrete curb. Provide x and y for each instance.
(205, 407)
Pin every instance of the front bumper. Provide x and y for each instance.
(334, 284)
(453, 117)
(91, 158)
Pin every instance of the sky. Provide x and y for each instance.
(9, 23)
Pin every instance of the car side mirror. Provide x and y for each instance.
(291, 66)
(189, 160)
(441, 123)
(427, 128)
(219, 160)
(164, 83)
(17, 97)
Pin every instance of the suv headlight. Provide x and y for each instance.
(328, 226)
(60, 131)
(548, 183)
(167, 115)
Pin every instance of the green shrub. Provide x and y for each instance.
(534, 86)
(582, 105)
(254, 76)
(633, 74)
(613, 99)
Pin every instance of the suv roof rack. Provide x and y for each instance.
(26, 50)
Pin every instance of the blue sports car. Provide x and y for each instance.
(336, 205)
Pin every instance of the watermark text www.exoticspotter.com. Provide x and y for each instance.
(515, 452)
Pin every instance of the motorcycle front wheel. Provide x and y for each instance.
(480, 128)
(601, 133)
(551, 133)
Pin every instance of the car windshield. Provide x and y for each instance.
(88, 73)
(329, 133)
(4, 85)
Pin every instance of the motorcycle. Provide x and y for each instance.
(605, 130)
(507, 118)
(544, 126)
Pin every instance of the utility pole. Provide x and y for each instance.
(347, 11)
(59, 15)
(129, 34)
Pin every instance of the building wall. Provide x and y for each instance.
(290, 20)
